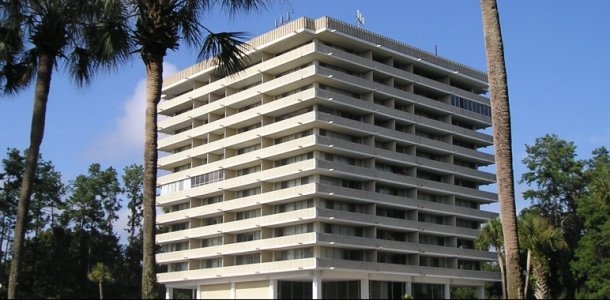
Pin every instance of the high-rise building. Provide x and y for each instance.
(339, 164)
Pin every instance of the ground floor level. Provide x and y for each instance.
(325, 285)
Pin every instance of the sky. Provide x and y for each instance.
(556, 56)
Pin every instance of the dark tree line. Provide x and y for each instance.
(71, 228)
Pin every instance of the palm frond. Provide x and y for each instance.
(81, 66)
(187, 20)
(18, 73)
(235, 6)
(227, 50)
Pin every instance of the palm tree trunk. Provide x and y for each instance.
(500, 115)
(41, 96)
(154, 80)
(101, 291)
(527, 272)
(503, 274)
(542, 287)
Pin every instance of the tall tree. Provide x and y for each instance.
(591, 264)
(162, 25)
(556, 179)
(132, 187)
(500, 118)
(133, 183)
(539, 236)
(491, 237)
(94, 203)
(34, 37)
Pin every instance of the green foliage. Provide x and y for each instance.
(540, 238)
(133, 180)
(94, 203)
(81, 34)
(58, 257)
(557, 179)
(47, 191)
(591, 264)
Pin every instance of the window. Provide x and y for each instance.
(211, 221)
(338, 253)
(430, 197)
(292, 206)
(247, 171)
(212, 200)
(467, 224)
(339, 113)
(249, 214)
(244, 150)
(470, 105)
(294, 254)
(392, 258)
(431, 219)
(343, 159)
(340, 182)
(391, 235)
(290, 160)
(179, 226)
(211, 263)
(293, 136)
(345, 206)
(294, 182)
(179, 207)
(391, 212)
(292, 230)
(248, 192)
(247, 236)
(249, 127)
(207, 178)
(217, 241)
(431, 240)
(175, 247)
(248, 259)
(177, 267)
(436, 262)
(344, 230)
(340, 136)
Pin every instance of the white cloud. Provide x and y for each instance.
(126, 138)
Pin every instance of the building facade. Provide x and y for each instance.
(339, 164)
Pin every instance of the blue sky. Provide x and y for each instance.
(556, 55)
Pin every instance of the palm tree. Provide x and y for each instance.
(500, 116)
(491, 237)
(538, 236)
(160, 26)
(99, 274)
(35, 37)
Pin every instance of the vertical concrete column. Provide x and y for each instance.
(316, 286)
(169, 293)
(232, 291)
(447, 292)
(408, 288)
(198, 291)
(272, 288)
(481, 292)
(364, 289)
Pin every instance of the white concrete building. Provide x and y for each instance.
(340, 164)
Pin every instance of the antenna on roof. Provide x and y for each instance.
(359, 18)
(283, 21)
